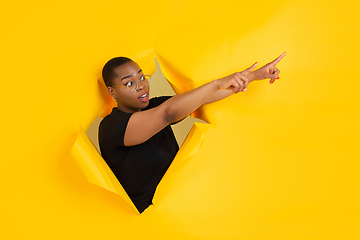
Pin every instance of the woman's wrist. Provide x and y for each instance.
(215, 84)
(251, 76)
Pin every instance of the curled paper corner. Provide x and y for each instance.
(146, 60)
(189, 148)
(193, 141)
(176, 79)
(95, 168)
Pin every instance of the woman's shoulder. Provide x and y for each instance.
(116, 117)
(112, 129)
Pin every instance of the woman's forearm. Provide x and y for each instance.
(218, 95)
(180, 106)
(224, 93)
(186, 103)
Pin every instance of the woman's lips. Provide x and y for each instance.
(144, 98)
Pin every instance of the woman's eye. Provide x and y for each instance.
(129, 84)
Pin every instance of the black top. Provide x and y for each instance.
(138, 168)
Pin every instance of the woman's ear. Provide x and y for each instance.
(111, 92)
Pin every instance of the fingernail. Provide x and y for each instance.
(277, 77)
(244, 90)
(271, 81)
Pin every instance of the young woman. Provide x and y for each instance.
(136, 139)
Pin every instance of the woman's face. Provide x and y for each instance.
(129, 101)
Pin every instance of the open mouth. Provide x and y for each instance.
(144, 97)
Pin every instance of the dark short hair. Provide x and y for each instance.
(108, 73)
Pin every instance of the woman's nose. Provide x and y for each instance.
(140, 85)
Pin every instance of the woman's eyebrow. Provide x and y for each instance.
(129, 76)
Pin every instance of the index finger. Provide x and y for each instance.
(277, 60)
(246, 71)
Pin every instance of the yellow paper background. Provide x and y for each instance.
(279, 161)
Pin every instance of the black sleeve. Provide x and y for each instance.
(112, 129)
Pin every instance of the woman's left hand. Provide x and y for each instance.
(267, 71)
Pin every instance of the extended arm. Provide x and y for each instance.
(145, 124)
(268, 71)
